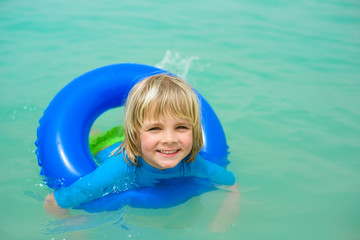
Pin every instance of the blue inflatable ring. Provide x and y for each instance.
(63, 151)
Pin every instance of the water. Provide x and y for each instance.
(283, 77)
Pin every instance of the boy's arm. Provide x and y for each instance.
(216, 173)
(228, 211)
(93, 185)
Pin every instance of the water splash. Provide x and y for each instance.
(176, 64)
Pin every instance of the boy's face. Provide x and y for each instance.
(165, 142)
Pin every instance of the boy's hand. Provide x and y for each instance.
(52, 208)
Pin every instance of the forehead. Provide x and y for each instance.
(157, 111)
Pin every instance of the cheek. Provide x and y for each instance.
(147, 141)
(188, 140)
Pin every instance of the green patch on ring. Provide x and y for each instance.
(99, 141)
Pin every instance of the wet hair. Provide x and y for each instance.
(157, 97)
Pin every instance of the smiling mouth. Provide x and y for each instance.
(168, 151)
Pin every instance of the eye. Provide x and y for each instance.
(182, 127)
(154, 129)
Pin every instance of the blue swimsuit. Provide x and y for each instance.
(115, 175)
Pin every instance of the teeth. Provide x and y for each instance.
(169, 152)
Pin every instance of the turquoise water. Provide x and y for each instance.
(283, 77)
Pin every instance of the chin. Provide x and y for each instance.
(169, 165)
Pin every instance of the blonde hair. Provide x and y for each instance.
(168, 97)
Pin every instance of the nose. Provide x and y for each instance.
(169, 137)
